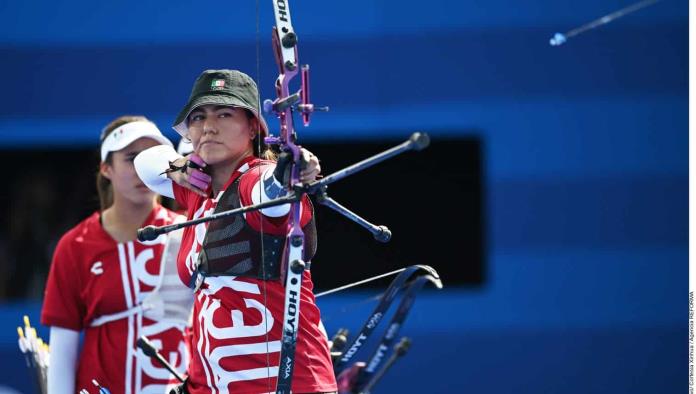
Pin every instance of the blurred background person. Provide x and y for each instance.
(105, 283)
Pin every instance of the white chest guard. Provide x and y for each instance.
(171, 301)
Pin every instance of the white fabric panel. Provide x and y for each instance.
(63, 367)
(150, 165)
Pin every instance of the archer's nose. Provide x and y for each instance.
(210, 126)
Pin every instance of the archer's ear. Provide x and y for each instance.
(254, 127)
(105, 170)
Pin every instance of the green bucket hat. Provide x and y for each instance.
(221, 87)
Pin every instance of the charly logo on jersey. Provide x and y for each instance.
(97, 268)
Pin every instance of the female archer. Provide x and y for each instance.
(113, 288)
(234, 264)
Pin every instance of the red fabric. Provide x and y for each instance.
(236, 339)
(91, 275)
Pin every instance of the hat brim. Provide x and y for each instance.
(181, 126)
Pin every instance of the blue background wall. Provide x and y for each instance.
(585, 150)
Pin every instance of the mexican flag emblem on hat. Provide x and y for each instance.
(217, 84)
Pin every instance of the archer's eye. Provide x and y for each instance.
(196, 117)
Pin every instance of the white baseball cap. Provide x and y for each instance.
(123, 135)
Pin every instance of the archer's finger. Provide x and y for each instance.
(313, 166)
(194, 189)
(200, 179)
(308, 176)
(198, 183)
(308, 158)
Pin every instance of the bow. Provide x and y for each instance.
(284, 42)
(361, 377)
(292, 266)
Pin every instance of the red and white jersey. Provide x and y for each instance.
(237, 320)
(93, 276)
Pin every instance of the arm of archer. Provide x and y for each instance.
(63, 366)
(273, 182)
(267, 188)
(151, 166)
